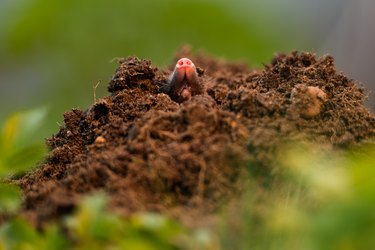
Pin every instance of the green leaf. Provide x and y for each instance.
(20, 128)
(22, 159)
(161, 226)
(92, 223)
(18, 234)
(9, 197)
(53, 238)
(18, 149)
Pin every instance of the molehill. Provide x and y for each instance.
(149, 153)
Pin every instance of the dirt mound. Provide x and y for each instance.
(152, 154)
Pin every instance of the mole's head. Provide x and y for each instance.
(184, 81)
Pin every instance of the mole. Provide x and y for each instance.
(184, 81)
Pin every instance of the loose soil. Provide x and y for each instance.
(149, 153)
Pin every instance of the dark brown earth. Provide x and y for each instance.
(152, 154)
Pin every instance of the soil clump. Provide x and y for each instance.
(149, 153)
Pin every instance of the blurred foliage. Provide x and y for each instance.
(321, 200)
(18, 152)
(92, 227)
(96, 229)
(19, 235)
(19, 149)
(10, 198)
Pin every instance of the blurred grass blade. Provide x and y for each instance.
(18, 149)
(17, 234)
(9, 197)
(21, 127)
(9, 131)
(23, 159)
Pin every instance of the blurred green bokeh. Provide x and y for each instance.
(321, 199)
(54, 52)
(20, 151)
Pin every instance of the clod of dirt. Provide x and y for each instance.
(150, 153)
(133, 73)
(307, 100)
